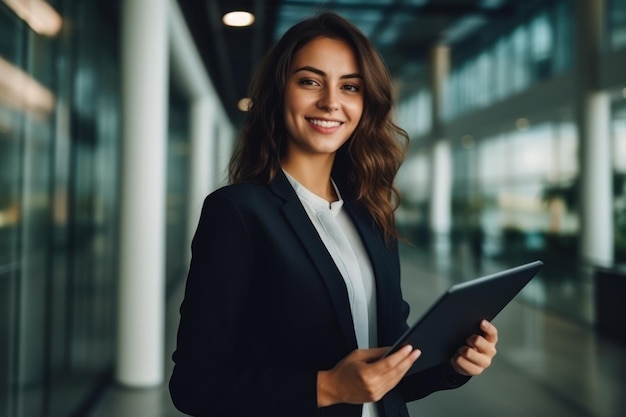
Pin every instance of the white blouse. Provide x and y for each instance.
(344, 244)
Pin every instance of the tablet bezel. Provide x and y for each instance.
(456, 315)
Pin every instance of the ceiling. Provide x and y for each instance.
(402, 30)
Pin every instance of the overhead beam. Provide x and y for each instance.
(427, 10)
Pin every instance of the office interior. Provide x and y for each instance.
(117, 119)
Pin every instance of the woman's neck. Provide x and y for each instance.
(314, 175)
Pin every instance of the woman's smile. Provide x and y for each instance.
(324, 125)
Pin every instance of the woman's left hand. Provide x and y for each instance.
(473, 358)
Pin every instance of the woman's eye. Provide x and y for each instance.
(351, 88)
(308, 82)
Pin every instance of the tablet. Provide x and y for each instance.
(457, 314)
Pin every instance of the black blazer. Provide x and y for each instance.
(266, 308)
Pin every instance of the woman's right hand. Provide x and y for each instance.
(364, 376)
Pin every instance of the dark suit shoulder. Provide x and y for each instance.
(246, 194)
(240, 193)
(247, 199)
(235, 191)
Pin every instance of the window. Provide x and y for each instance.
(617, 23)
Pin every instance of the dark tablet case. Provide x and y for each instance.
(457, 314)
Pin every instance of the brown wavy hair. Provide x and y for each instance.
(366, 165)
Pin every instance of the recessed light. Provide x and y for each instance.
(522, 124)
(245, 104)
(467, 141)
(238, 18)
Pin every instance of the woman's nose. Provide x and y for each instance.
(328, 102)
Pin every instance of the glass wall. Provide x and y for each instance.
(521, 191)
(12, 38)
(415, 113)
(532, 51)
(514, 200)
(515, 193)
(178, 247)
(59, 179)
(60, 183)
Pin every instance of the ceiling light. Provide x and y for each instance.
(245, 104)
(238, 19)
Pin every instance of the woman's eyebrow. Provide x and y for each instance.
(323, 74)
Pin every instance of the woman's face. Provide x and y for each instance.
(323, 97)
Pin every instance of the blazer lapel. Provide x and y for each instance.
(301, 224)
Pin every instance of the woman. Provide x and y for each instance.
(295, 276)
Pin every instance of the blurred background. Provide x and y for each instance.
(118, 117)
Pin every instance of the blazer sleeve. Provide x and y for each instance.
(436, 378)
(214, 374)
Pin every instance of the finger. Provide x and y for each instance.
(482, 345)
(491, 332)
(466, 367)
(390, 377)
(398, 356)
(396, 362)
(475, 357)
(406, 364)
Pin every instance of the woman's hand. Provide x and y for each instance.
(364, 376)
(473, 358)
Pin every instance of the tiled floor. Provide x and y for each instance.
(547, 366)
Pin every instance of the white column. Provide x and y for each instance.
(202, 157)
(440, 208)
(441, 166)
(594, 119)
(140, 354)
(596, 176)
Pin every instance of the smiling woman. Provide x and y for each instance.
(370, 159)
(294, 281)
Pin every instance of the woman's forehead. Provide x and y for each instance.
(331, 53)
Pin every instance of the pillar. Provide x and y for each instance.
(593, 120)
(441, 166)
(440, 207)
(140, 355)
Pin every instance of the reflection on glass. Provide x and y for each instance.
(542, 45)
(617, 24)
(538, 48)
